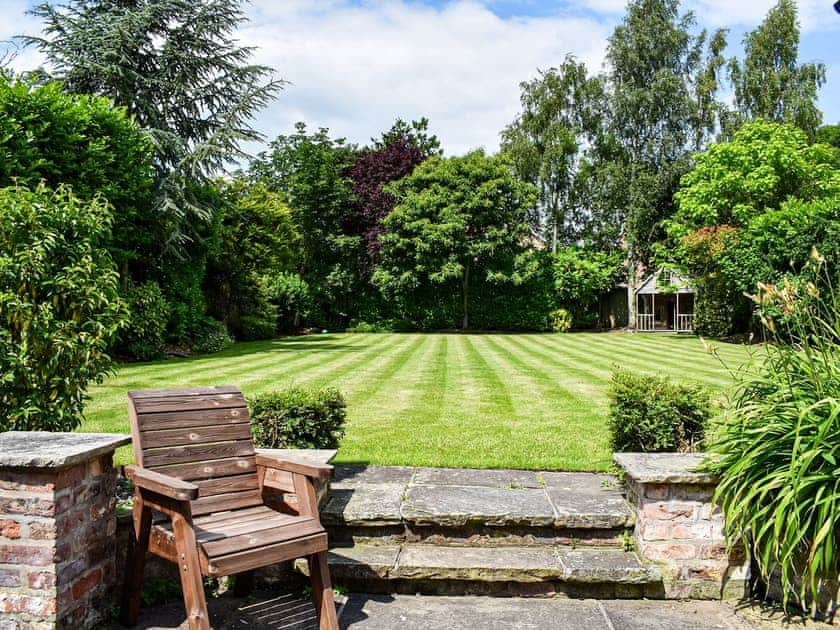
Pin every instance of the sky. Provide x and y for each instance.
(354, 66)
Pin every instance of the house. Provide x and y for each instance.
(665, 302)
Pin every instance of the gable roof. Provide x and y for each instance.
(652, 284)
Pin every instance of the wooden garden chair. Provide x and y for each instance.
(200, 495)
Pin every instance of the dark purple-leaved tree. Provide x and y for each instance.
(391, 158)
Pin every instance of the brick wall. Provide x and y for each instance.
(57, 545)
(678, 527)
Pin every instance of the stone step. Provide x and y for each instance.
(539, 571)
(475, 507)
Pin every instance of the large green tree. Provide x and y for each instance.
(457, 221)
(770, 82)
(659, 105)
(310, 171)
(544, 140)
(177, 68)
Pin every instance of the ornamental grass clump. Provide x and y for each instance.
(778, 446)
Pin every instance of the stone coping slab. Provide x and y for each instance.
(663, 468)
(44, 449)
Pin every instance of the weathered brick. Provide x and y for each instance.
(658, 491)
(655, 530)
(42, 530)
(84, 584)
(10, 577)
(40, 580)
(26, 505)
(701, 530)
(668, 551)
(36, 556)
(69, 571)
(27, 604)
(667, 511)
(70, 477)
(9, 528)
(693, 492)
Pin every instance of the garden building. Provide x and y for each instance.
(665, 302)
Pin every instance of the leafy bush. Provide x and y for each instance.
(298, 418)
(357, 326)
(255, 328)
(652, 414)
(290, 295)
(209, 335)
(560, 320)
(59, 306)
(778, 444)
(148, 312)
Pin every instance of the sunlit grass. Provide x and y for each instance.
(471, 400)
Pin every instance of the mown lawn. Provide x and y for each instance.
(472, 400)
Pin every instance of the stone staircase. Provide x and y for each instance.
(494, 532)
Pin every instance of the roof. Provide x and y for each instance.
(662, 281)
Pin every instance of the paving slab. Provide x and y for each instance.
(665, 467)
(605, 565)
(364, 561)
(476, 477)
(579, 482)
(601, 508)
(456, 506)
(368, 504)
(672, 615)
(512, 564)
(351, 476)
(45, 449)
(409, 612)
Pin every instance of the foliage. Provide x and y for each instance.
(652, 414)
(395, 156)
(777, 446)
(59, 306)
(290, 295)
(544, 140)
(298, 418)
(764, 164)
(144, 333)
(208, 336)
(560, 320)
(770, 83)
(310, 170)
(456, 220)
(175, 65)
(257, 240)
(87, 143)
(582, 276)
(661, 106)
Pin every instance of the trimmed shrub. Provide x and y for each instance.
(560, 320)
(256, 328)
(652, 414)
(148, 313)
(59, 306)
(298, 418)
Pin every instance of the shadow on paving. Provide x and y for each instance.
(358, 611)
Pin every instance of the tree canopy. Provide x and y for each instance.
(456, 219)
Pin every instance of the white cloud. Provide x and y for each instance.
(356, 68)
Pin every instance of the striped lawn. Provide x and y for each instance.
(471, 400)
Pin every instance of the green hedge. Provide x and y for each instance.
(298, 418)
(652, 414)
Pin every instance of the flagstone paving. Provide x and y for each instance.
(359, 611)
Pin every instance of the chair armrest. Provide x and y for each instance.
(316, 471)
(162, 484)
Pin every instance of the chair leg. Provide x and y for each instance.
(190, 570)
(138, 545)
(322, 592)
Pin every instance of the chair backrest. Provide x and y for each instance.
(203, 435)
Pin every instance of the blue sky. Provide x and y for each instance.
(356, 65)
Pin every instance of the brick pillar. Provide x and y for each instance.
(57, 529)
(678, 527)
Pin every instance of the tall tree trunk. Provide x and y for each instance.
(465, 295)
